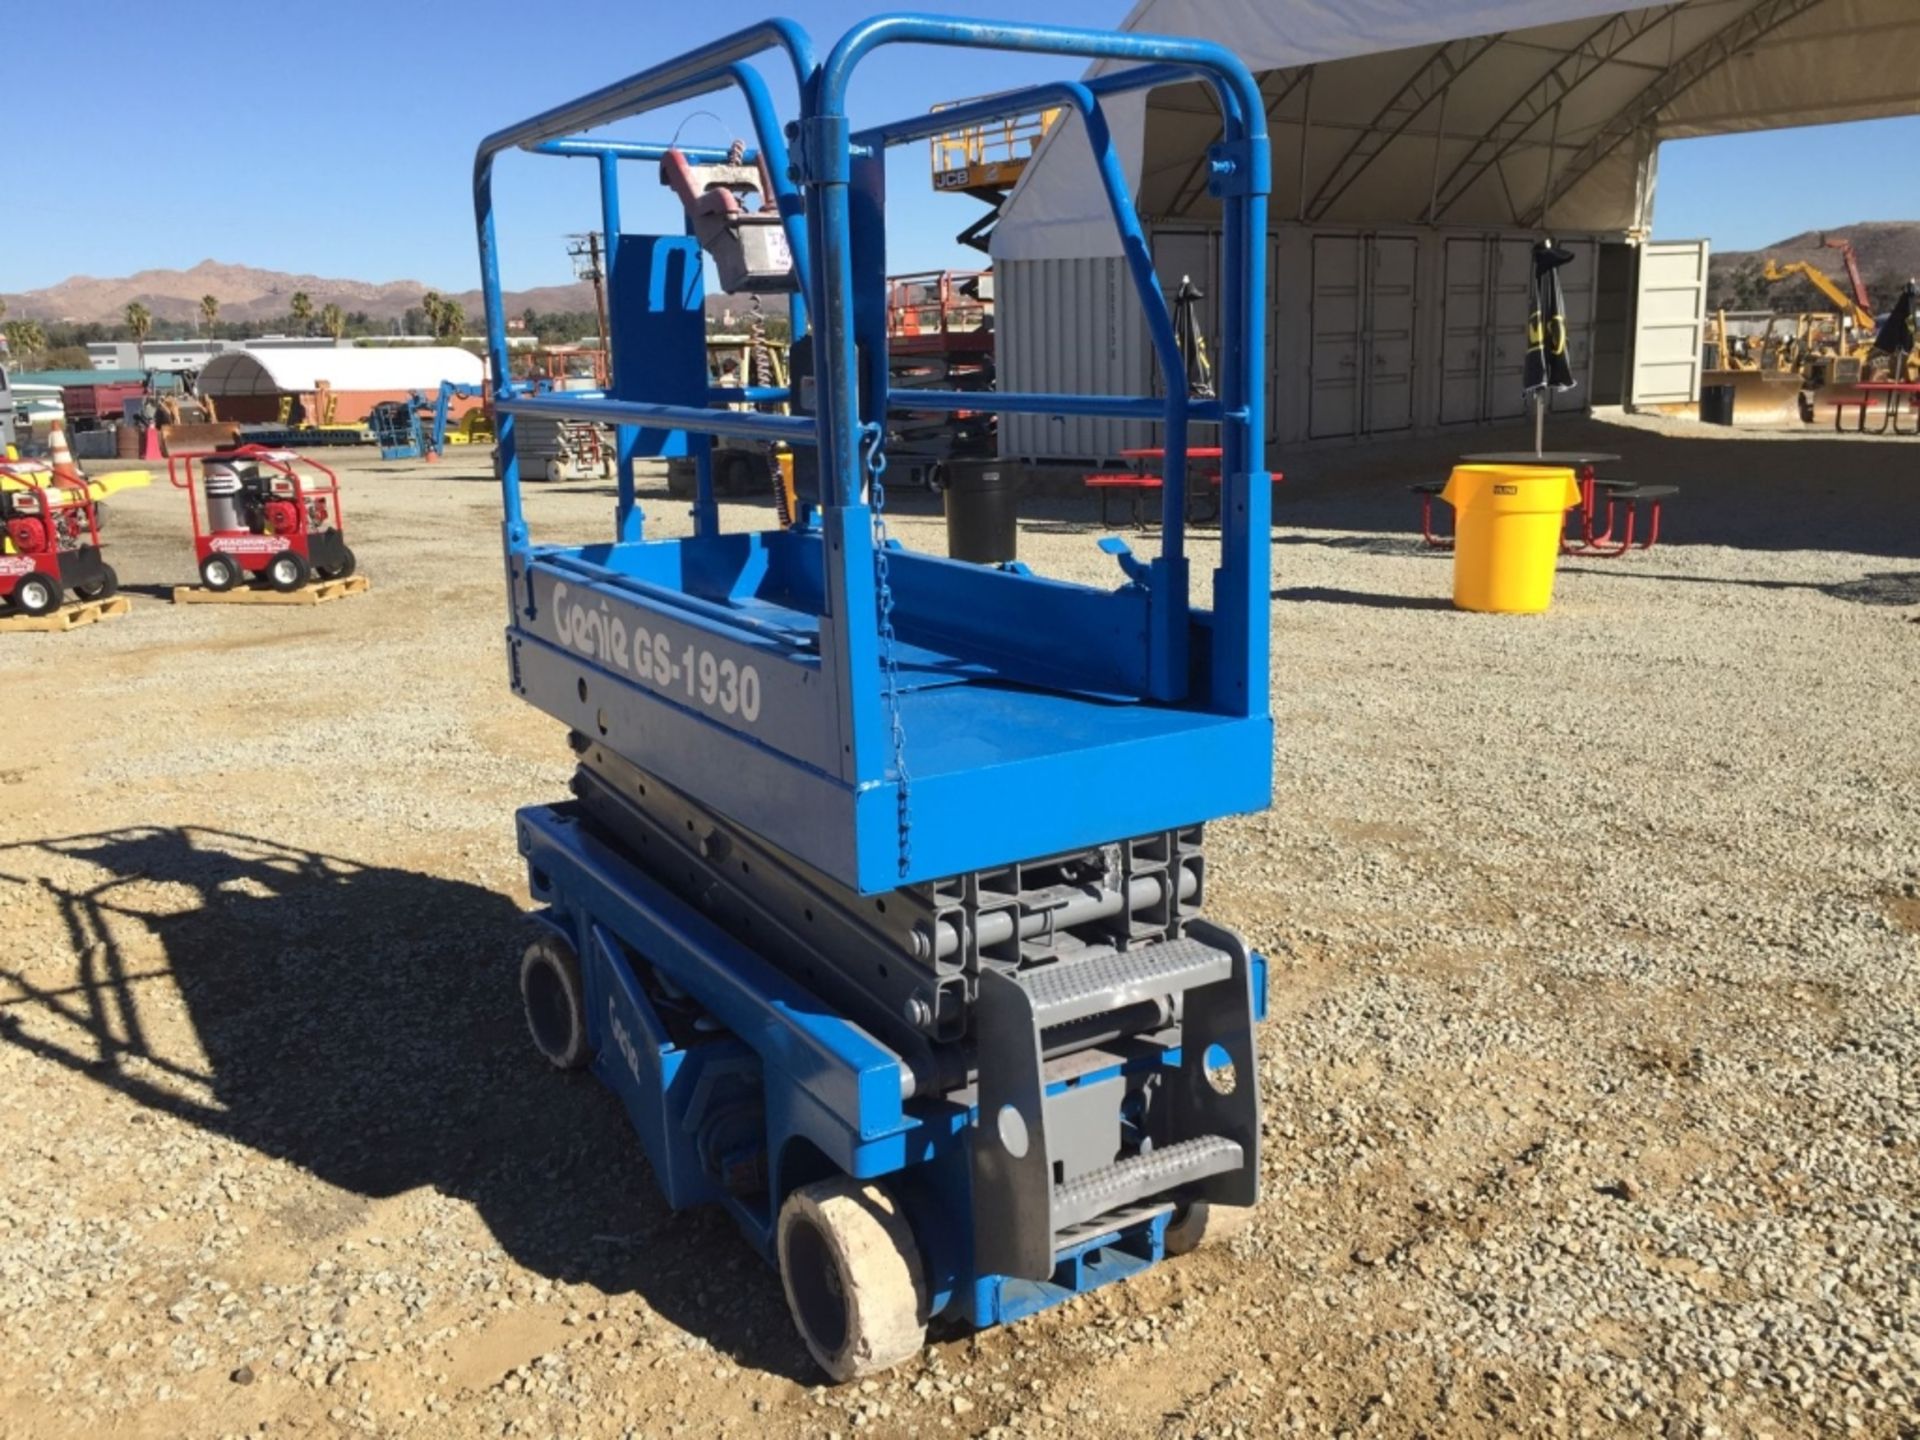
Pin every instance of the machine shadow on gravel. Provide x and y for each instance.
(364, 1024)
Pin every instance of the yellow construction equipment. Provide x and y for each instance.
(1802, 362)
(1858, 316)
(24, 475)
(1764, 369)
(985, 160)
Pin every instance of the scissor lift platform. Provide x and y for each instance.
(724, 691)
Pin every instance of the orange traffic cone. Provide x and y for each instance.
(62, 457)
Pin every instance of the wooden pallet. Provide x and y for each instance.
(316, 593)
(69, 617)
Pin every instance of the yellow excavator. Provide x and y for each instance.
(1850, 310)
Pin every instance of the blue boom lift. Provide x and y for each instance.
(878, 902)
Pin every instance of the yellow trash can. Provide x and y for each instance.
(1507, 523)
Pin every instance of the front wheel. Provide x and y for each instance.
(342, 568)
(287, 571)
(853, 1277)
(219, 573)
(1200, 1223)
(107, 586)
(37, 594)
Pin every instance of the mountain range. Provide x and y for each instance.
(1888, 252)
(246, 293)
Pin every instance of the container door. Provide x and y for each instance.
(1333, 407)
(1391, 298)
(1463, 324)
(1669, 312)
(1507, 320)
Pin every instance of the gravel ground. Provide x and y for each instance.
(1591, 1080)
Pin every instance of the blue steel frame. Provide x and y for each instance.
(1033, 716)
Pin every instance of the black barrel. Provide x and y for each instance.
(1716, 404)
(983, 510)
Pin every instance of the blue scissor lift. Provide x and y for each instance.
(878, 900)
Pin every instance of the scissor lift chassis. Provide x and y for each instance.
(723, 1007)
(878, 901)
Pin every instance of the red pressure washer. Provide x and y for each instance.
(52, 544)
(264, 519)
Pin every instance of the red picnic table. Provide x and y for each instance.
(1891, 390)
(1137, 482)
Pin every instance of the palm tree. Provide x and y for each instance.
(209, 310)
(453, 319)
(140, 322)
(301, 308)
(333, 320)
(431, 304)
(25, 337)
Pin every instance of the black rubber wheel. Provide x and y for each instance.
(1197, 1223)
(739, 474)
(218, 573)
(105, 587)
(851, 1269)
(287, 571)
(555, 1001)
(37, 594)
(343, 569)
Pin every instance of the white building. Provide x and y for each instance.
(178, 355)
(1419, 148)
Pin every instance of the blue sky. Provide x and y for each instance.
(338, 141)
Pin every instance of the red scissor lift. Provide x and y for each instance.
(940, 337)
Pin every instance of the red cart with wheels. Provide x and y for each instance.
(263, 515)
(52, 541)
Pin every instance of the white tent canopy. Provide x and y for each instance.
(342, 368)
(1491, 113)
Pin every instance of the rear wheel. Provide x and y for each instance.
(853, 1277)
(342, 568)
(218, 572)
(555, 1002)
(37, 594)
(287, 571)
(106, 586)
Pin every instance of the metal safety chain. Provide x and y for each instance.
(874, 439)
(760, 354)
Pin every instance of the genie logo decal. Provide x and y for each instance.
(693, 674)
(623, 1042)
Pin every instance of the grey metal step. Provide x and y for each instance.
(1099, 1191)
(1074, 989)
